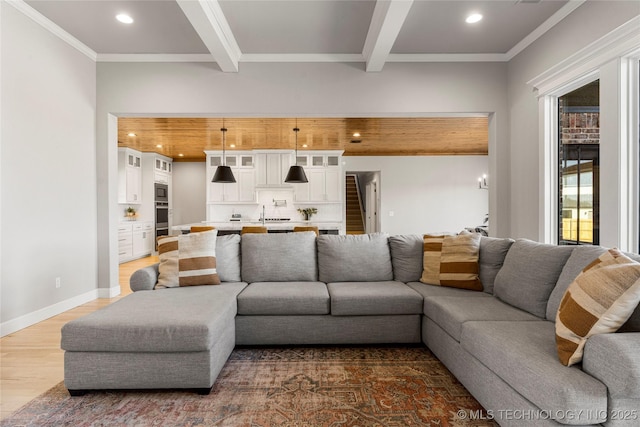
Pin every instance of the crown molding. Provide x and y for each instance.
(302, 57)
(447, 57)
(623, 41)
(154, 57)
(52, 27)
(562, 13)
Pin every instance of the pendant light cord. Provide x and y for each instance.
(296, 130)
(224, 132)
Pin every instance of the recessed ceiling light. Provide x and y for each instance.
(232, 146)
(304, 145)
(159, 146)
(473, 18)
(356, 135)
(124, 18)
(180, 155)
(131, 134)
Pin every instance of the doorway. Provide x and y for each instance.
(362, 202)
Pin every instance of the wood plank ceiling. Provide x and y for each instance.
(185, 139)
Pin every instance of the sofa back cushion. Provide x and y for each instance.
(354, 258)
(406, 257)
(492, 254)
(279, 257)
(529, 274)
(581, 257)
(228, 257)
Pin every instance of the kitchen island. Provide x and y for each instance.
(278, 226)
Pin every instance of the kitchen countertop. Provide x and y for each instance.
(271, 225)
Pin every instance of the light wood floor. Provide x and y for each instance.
(31, 359)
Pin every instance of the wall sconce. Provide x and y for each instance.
(482, 182)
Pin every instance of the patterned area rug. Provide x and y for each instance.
(295, 386)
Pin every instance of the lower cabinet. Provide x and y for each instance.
(135, 240)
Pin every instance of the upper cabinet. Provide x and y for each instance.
(129, 176)
(324, 172)
(242, 166)
(272, 168)
(162, 169)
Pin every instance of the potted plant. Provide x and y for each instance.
(307, 213)
(130, 213)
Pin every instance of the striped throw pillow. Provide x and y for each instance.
(598, 301)
(187, 260)
(452, 260)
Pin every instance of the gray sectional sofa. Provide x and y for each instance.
(294, 288)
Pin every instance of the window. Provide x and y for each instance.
(579, 166)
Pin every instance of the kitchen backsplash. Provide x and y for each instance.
(278, 203)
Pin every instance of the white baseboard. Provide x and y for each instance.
(114, 291)
(32, 318)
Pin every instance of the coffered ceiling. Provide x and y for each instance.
(370, 32)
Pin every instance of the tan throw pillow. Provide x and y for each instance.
(187, 260)
(452, 261)
(598, 301)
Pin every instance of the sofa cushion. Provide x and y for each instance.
(187, 260)
(580, 257)
(279, 257)
(171, 320)
(288, 298)
(451, 313)
(492, 254)
(406, 257)
(598, 301)
(228, 257)
(529, 274)
(354, 258)
(373, 298)
(524, 355)
(452, 261)
(430, 291)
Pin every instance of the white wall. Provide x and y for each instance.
(586, 24)
(296, 89)
(188, 189)
(48, 168)
(427, 193)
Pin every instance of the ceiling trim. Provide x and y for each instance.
(155, 57)
(52, 27)
(211, 25)
(447, 57)
(386, 23)
(562, 13)
(302, 57)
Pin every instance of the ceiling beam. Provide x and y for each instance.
(207, 19)
(388, 18)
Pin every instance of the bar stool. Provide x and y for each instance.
(253, 229)
(299, 228)
(199, 228)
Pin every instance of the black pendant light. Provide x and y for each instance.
(296, 173)
(223, 173)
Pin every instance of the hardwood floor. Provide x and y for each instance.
(31, 359)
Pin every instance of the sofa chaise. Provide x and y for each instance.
(296, 288)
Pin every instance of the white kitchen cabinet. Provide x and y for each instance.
(129, 176)
(325, 178)
(163, 167)
(143, 239)
(135, 240)
(125, 242)
(272, 168)
(243, 190)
